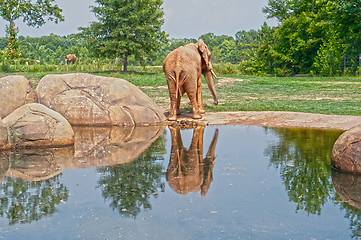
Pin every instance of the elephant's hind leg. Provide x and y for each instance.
(173, 111)
(173, 102)
(193, 98)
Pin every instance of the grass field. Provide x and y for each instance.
(336, 95)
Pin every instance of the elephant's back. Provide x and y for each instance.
(182, 56)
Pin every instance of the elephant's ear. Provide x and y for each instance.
(205, 53)
(201, 45)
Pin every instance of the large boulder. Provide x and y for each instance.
(34, 125)
(3, 135)
(346, 153)
(85, 99)
(15, 91)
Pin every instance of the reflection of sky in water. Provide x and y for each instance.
(246, 199)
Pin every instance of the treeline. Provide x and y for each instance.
(318, 37)
(51, 50)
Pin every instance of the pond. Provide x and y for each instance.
(214, 182)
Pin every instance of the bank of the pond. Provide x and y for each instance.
(274, 119)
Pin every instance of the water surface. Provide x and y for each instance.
(216, 182)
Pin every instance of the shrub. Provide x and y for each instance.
(225, 68)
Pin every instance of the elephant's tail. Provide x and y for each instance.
(176, 80)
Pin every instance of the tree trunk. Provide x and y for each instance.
(13, 49)
(125, 68)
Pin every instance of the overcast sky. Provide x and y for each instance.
(183, 18)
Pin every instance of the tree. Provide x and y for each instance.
(229, 51)
(33, 14)
(126, 27)
(313, 35)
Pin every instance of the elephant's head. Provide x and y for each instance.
(207, 68)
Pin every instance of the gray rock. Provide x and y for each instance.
(85, 99)
(4, 139)
(15, 91)
(34, 125)
(346, 153)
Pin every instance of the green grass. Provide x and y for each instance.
(337, 95)
(327, 95)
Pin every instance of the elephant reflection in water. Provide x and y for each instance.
(187, 170)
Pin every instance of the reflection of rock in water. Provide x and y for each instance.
(94, 146)
(348, 187)
(4, 165)
(107, 146)
(187, 170)
(38, 164)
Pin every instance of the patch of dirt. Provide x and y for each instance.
(227, 81)
(271, 119)
(151, 87)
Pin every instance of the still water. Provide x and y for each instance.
(215, 182)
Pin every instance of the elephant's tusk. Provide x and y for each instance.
(213, 74)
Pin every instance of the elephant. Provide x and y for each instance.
(183, 69)
(188, 171)
(70, 58)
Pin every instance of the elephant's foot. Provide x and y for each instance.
(172, 117)
(197, 116)
(202, 111)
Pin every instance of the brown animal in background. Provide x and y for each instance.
(70, 58)
(183, 69)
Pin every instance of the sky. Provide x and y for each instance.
(183, 19)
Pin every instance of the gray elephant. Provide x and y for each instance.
(183, 69)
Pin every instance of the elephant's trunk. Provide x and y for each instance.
(209, 78)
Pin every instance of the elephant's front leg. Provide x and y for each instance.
(199, 96)
(173, 99)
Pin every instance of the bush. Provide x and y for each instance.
(5, 66)
(225, 68)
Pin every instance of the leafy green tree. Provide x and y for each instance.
(33, 14)
(216, 54)
(313, 35)
(347, 20)
(330, 55)
(213, 40)
(126, 27)
(229, 51)
(247, 43)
